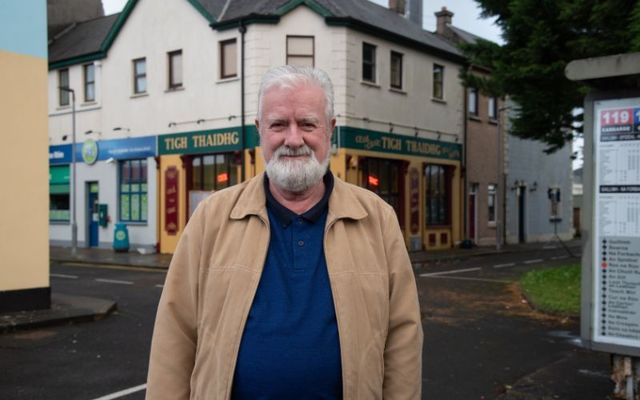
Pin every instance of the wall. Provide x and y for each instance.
(23, 155)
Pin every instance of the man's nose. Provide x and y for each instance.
(293, 138)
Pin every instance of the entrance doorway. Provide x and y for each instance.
(521, 192)
(386, 178)
(473, 206)
(92, 215)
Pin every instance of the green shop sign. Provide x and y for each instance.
(209, 141)
(363, 139)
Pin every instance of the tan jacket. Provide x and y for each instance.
(215, 271)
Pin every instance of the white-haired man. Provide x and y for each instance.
(294, 284)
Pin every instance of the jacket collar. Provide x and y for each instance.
(342, 203)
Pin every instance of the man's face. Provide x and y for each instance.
(295, 135)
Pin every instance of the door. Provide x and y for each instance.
(521, 214)
(473, 221)
(92, 214)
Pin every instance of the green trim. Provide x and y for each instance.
(196, 4)
(59, 188)
(360, 26)
(248, 20)
(117, 26)
(251, 137)
(77, 60)
(289, 6)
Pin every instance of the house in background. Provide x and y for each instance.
(166, 102)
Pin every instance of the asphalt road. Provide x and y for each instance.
(480, 338)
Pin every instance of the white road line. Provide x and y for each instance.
(461, 278)
(160, 286)
(455, 271)
(547, 247)
(114, 281)
(537, 260)
(559, 257)
(504, 265)
(63, 276)
(123, 393)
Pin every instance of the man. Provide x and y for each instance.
(294, 284)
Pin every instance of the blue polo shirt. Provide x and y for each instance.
(290, 347)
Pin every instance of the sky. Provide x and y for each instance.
(466, 16)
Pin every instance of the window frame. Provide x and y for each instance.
(142, 180)
(221, 48)
(63, 95)
(313, 47)
(472, 93)
(492, 108)
(137, 76)
(439, 82)
(492, 197)
(400, 57)
(89, 83)
(171, 85)
(369, 63)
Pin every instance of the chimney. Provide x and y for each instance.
(443, 18)
(410, 9)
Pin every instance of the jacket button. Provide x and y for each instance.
(300, 243)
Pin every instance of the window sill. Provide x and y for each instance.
(370, 84)
(175, 89)
(491, 225)
(138, 95)
(63, 108)
(399, 91)
(89, 103)
(57, 222)
(133, 223)
(493, 121)
(436, 100)
(474, 118)
(230, 79)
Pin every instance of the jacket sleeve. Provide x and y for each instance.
(173, 346)
(403, 348)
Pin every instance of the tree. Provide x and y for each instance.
(541, 38)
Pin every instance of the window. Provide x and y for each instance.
(473, 101)
(213, 172)
(438, 194)
(492, 111)
(396, 70)
(175, 69)
(133, 190)
(438, 82)
(383, 177)
(368, 62)
(140, 75)
(59, 193)
(63, 82)
(300, 51)
(228, 59)
(89, 82)
(492, 203)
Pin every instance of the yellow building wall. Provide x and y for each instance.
(24, 210)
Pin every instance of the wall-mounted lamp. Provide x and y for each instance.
(120, 128)
(232, 117)
(517, 184)
(65, 137)
(110, 160)
(172, 124)
(534, 187)
(390, 127)
(416, 131)
(439, 135)
(201, 120)
(366, 119)
(89, 132)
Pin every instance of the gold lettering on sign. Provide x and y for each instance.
(423, 148)
(391, 143)
(178, 143)
(215, 139)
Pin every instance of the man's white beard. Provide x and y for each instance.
(296, 175)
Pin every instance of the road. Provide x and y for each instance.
(480, 338)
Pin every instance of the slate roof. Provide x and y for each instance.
(89, 37)
(83, 39)
(465, 36)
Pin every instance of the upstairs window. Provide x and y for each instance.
(228, 59)
(63, 83)
(175, 69)
(140, 75)
(396, 70)
(438, 82)
(492, 110)
(300, 51)
(473, 101)
(89, 82)
(368, 63)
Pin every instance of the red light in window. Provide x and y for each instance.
(223, 177)
(373, 181)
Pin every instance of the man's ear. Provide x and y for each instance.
(333, 127)
(255, 121)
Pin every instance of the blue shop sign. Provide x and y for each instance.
(118, 149)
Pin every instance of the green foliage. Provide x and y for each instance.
(541, 38)
(554, 290)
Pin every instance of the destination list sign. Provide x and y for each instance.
(616, 311)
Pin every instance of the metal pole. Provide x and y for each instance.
(499, 185)
(74, 222)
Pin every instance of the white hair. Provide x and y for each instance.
(289, 76)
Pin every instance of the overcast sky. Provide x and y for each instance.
(467, 16)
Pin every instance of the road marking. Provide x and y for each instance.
(455, 271)
(160, 286)
(123, 393)
(547, 247)
(461, 278)
(559, 257)
(504, 265)
(114, 281)
(64, 276)
(537, 260)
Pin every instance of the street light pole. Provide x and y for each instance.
(74, 223)
(500, 183)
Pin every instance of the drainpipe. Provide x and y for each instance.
(243, 29)
(465, 144)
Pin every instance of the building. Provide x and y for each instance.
(185, 76)
(24, 275)
(481, 146)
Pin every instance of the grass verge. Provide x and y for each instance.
(554, 290)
